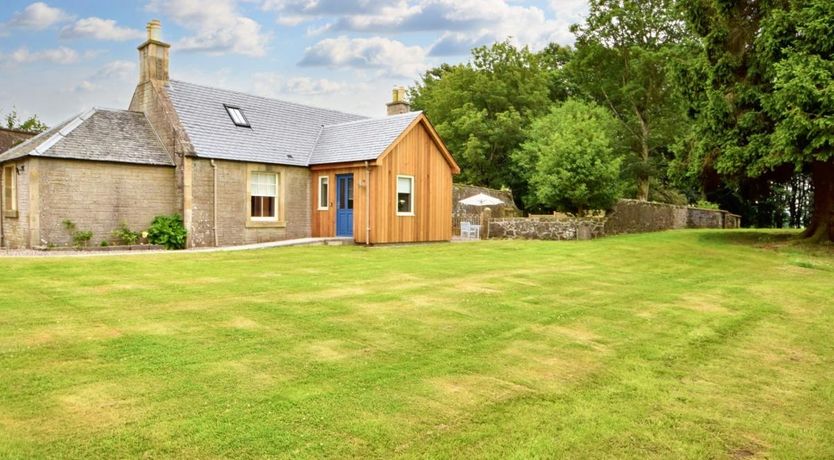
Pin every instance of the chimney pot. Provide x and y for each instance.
(154, 28)
(398, 104)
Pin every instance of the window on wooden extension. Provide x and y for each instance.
(263, 191)
(237, 117)
(10, 188)
(324, 193)
(405, 195)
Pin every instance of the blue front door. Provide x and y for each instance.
(344, 205)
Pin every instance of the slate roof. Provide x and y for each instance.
(359, 140)
(281, 132)
(100, 135)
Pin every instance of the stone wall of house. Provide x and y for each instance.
(99, 197)
(233, 225)
(16, 228)
(150, 98)
(547, 228)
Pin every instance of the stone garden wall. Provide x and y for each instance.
(547, 228)
(628, 216)
(472, 214)
(632, 216)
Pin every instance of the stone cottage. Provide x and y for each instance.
(239, 169)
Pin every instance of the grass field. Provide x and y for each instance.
(689, 344)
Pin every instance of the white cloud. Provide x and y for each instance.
(468, 23)
(570, 10)
(317, 8)
(462, 23)
(114, 73)
(275, 85)
(391, 57)
(37, 16)
(217, 25)
(100, 29)
(60, 55)
(121, 70)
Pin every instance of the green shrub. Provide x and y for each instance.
(104, 243)
(69, 226)
(704, 204)
(79, 238)
(125, 235)
(168, 231)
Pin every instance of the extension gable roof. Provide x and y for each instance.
(117, 136)
(359, 140)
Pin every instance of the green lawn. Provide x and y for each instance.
(689, 344)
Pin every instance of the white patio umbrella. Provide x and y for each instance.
(481, 199)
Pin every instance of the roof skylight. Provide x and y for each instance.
(237, 116)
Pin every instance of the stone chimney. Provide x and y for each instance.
(398, 103)
(153, 54)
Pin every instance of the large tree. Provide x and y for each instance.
(769, 109)
(482, 108)
(622, 61)
(571, 158)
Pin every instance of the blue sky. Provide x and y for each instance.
(58, 58)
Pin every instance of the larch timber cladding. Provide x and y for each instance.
(100, 196)
(16, 229)
(233, 226)
(415, 155)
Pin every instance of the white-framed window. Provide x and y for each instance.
(237, 116)
(324, 193)
(10, 188)
(263, 192)
(405, 195)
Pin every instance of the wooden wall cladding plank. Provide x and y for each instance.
(415, 155)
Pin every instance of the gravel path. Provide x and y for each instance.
(247, 247)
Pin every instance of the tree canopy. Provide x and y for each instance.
(768, 109)
(482, 108)
(571, 158)
(624, 52)
(721, 100)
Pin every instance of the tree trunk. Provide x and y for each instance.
(643, 188)
(822, 221)
(643, 180)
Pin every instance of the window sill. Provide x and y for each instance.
(265, 224)
(405, 214)
(10, 214)
(322, 209)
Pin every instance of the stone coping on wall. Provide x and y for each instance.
(628, 216)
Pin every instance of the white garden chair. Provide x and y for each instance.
(470, 231)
